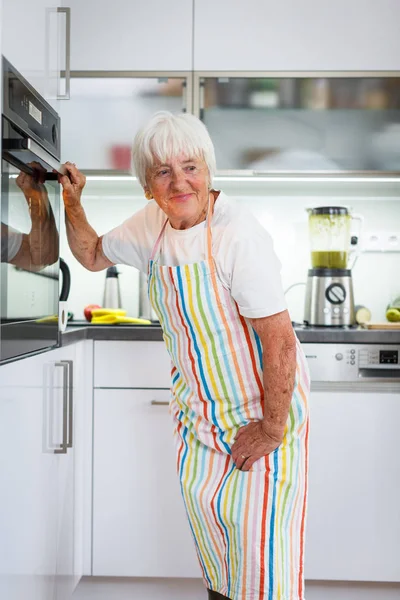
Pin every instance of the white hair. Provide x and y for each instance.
(168, 135)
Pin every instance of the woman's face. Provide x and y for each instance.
(181, 189)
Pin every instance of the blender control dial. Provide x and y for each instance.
(335, 293)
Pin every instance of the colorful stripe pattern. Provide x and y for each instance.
(248, 527)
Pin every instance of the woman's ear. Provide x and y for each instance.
(148, 195)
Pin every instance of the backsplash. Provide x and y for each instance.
(376, 275)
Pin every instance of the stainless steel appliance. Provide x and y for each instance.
(146, 311)
(112, 292)
(29, 213)
(329, 299)
(354, 462)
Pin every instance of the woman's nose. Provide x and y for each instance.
(177, 177)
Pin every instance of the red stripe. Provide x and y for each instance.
(252, 356)
(263, 533)
(192, 362)
(303, 516)
(227, 461)
(178, 461)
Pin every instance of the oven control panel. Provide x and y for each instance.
(352, 362)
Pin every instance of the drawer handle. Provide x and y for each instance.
(159, 403)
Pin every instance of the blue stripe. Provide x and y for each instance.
(223, 524)
(205, 528)
(272, 531)
(231, 376)
(174, 379)
(162, 314)
(206, 575)
(259, 349)
(196, 346)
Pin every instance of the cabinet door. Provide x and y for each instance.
(353, 530)
(33, 33)
(65, 384)
(233, 35)
(110, 109)
(29, 433)
(139, 520)
(133, 36)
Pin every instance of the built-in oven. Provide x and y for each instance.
(29, 215)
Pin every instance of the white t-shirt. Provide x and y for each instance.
(243, 251)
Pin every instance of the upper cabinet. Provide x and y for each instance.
(302, 124)
(132, 36)
(105, 112)
(35, 36)
(261, 35)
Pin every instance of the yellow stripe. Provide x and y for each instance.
(203, 343)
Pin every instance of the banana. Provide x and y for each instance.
(99, 312)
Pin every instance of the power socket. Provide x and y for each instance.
(380, 241)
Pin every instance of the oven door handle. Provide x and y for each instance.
(31, 146)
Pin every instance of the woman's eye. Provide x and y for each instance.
(161, 173)
(191, 168)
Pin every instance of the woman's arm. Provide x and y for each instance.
(84, 242)
(279, 367)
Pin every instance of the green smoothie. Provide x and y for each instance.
(333, 259)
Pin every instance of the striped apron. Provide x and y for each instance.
(248, 527)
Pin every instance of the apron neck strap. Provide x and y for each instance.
(208, 249)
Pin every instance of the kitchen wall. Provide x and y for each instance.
(282, 211)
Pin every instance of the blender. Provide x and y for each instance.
(329, 300)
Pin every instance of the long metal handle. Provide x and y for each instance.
(64, 445)
(29, 145)
(67, 11)
(70, 365)
(159, 403)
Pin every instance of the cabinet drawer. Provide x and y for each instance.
(131, 365)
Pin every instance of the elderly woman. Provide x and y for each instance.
(239, 377)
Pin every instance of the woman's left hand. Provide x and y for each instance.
(252, 442)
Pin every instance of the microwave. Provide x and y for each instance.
(29, 220)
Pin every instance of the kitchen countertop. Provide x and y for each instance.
(153, 333)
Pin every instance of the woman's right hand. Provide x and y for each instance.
(72, 184)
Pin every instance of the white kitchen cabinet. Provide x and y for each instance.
(123, 364)
(110, 108)
(139, 521)
(353, 528)
(131, 36)
(29, 419)
(34, 41)
(260, 35)
(42, 500)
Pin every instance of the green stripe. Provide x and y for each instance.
(213, 347)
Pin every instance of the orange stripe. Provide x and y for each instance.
(202, 491)
(252, 356)
(303, 516)
(228, 458)
(189, 340)
(263, 536)
(245, 533)
(228, 332)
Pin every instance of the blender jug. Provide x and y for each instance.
(330, 236)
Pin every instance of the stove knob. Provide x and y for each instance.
(339, 356)
(335, 293)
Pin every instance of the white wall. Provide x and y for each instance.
(376, 278)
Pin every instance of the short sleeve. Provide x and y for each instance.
(129, 244)
(255, 272)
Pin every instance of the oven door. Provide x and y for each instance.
(29, 286)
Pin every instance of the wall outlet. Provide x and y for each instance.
(381, 241)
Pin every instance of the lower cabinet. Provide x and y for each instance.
(139, 520)
(39, 472)
(353, 529)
